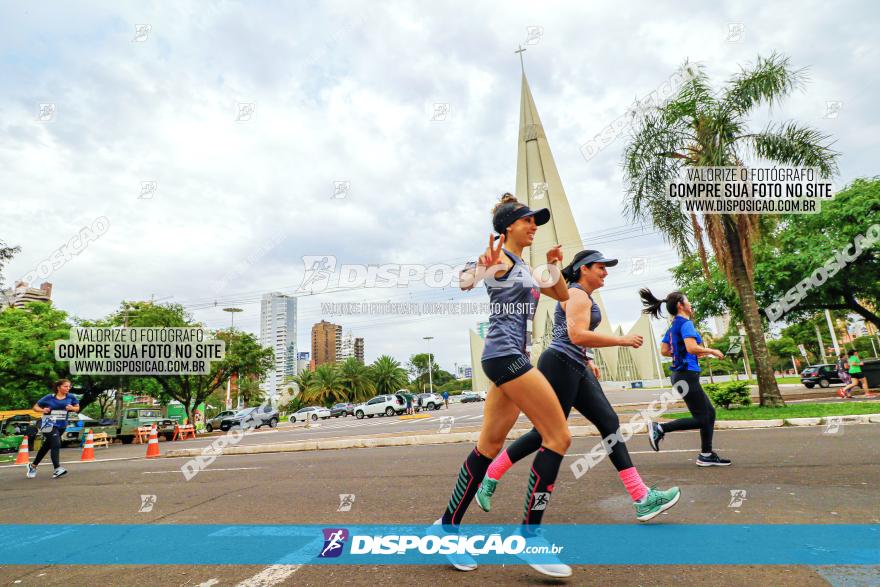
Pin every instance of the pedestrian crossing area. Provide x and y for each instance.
(393, 424)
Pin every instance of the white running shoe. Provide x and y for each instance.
(554, 568)
(462, 562)
(32, 471)
(59, 472)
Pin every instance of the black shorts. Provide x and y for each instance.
(500, 370)
(855, 376)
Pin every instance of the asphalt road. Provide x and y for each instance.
(790, 475)
(466, 417)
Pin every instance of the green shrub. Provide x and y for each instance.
(724, 395)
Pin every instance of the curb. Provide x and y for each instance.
(456, 437)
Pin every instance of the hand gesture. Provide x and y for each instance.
(47, 410)
(555, 254)
(595, 370)
(69, 408)
(634, 340)
(493, 255)
(716, 353)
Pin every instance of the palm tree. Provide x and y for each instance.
(304, 381)
(357, 379)
(388, 376)
(700, 129)
(328, 386)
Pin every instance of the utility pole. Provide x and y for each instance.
(430, 365)
(821, 344)
(232, 313)
(833, 336)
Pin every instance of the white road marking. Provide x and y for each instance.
(208, 469)
(645, 452)
(271, 575)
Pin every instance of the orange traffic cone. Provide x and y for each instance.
(88, 453)
(23, 457)
(153, 444)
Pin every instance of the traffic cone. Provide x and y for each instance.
(88, 453)
(153, 444)
(23, 457)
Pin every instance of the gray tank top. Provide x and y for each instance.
(512, 306)
(561, 342)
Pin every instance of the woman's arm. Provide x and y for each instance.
(577, 312)
(665, 349)
(693, 348)
(554, 286)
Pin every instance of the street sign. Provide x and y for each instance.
(735, 347)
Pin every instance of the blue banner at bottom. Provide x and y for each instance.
(164, 544)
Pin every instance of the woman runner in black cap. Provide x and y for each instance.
(569, 368)
(513, 296)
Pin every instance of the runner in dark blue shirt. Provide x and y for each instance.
(55, 408)
(683, 343)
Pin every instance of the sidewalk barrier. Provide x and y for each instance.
(153, 445)
(23, 457)
(101, 439)
(143, 434)
(181, 432)
(88, 453)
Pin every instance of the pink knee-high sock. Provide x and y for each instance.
(633, 483)
(499, 466)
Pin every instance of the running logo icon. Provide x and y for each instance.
(147, 503)
(737, 497)
(318, 270)
(334, 542)
(346, 500)
(541, 501)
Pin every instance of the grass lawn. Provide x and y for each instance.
(843, 408)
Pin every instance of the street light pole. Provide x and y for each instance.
(232, 312)
(430, 366)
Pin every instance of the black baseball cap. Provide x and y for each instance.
(510, 212)
(587, 257)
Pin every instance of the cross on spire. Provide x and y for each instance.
(520, 51)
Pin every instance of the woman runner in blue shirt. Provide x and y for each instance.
(683, 343)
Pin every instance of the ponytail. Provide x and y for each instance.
(652, 305)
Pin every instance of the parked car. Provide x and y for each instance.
(821, 375)
(260, 416)
(429, 401)
(78, 424)
(133, 418)
(214, 422)
(342, 410)
(313, 412)
(471, 396)
(387, 405)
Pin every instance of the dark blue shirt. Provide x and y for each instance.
(561, 342)
(681, 329)
(60, 405)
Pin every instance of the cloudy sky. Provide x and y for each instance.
(212, 137)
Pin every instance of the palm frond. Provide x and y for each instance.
(765, 82)
(792, 144)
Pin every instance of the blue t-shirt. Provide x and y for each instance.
(60, 405)
(681, 329)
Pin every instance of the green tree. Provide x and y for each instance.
(250, 392)
(388, 376)
(27, 353)
(357, 380)
(418, 369)
(328, 387)
(801, 244)
(698, 128)
(304, 382)
(6, 253)
(244, 354)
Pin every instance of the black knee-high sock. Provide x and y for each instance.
(472, 472)
(541, 479)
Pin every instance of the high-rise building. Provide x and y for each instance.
(326, 342)
(463, 371)
(21, 294)
(278, 332)
(350, 346)
(302, 362)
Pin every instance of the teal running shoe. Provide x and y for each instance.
(485, 492)
(656, 502)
